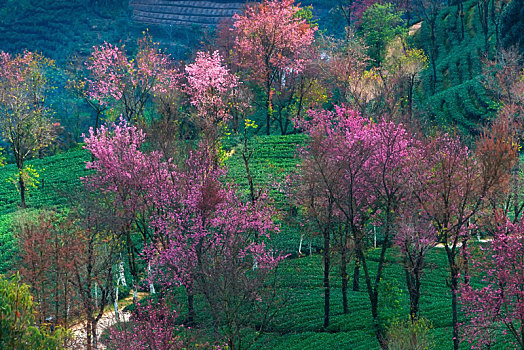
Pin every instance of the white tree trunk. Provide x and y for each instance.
(117, 315)
(151, 286)
(96, 295)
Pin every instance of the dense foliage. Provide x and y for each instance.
(17, 320)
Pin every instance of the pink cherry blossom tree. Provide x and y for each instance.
(154, 325)
(337, 163)
(415, 236)
(393, 152)
(211, 88)
(273, 42)
(201, 236)
(217, 247)
(120, 81)
(360, 172)
(129, 177)
(497, 306)
(451, 185)
(314, 190)
(446, 184)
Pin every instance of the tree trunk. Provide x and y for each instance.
(414, 302)
(483, 7)
(486, 43)
(326, 276)
(22, 188)
(151, 285)
(461, 5)
(454, 306)
(246, 155)
(89, 340)
(497, 19)
(344, 279)
(132, 263)
(433, 54)
(497, 37)
(410, 97)
(268, 105)
(379, 331)
(460, 16)
(95, 337)
(373, 288)
(356, 275)
(373, 298)
(413, 283)
(117, 314)
(66, 304)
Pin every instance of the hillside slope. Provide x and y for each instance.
(61, 28)
(460, 98)
(298, 325)
(199, 12)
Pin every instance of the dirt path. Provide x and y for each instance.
(459, 244)
(415, 28)
(107, 320)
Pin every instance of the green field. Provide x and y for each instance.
(298, 325)
(300, 322)
(59, 177)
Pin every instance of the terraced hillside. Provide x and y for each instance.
(182, 12)
(59, 176)
(299, 323)
(460, 98)
(61, 28)
(185, 12)
(273, 158)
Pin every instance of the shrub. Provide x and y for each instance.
(406, 335)
(17, 320)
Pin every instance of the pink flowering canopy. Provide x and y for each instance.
(446, 184)
(197, 216)
(122, 169)
(371, 158)
(207, 221)
(334, 139)
(108, 65)
(498, 306)
(116, 77)
(358, 7)
(210, 85)
(270, 36)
